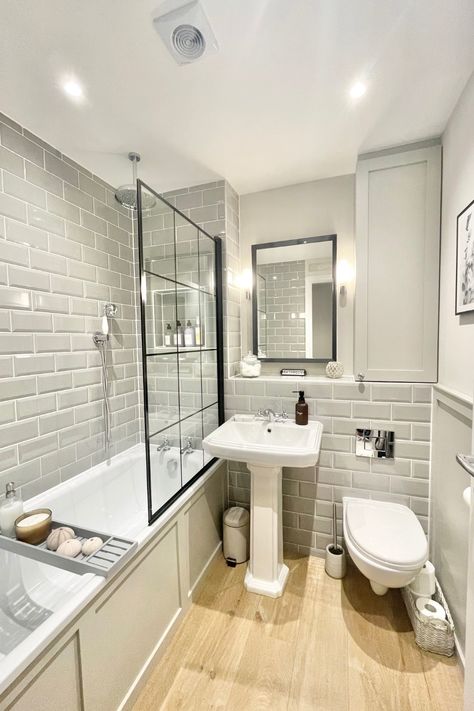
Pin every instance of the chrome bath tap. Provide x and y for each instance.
(164, 446)
(188, 448)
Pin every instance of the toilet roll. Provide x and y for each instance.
(430, 608)
(424, 583)
(466, 495)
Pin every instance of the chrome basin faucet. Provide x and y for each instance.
(271, 416)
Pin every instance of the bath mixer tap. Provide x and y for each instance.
(164, 446)
(188, 448)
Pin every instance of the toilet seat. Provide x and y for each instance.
(385, 533)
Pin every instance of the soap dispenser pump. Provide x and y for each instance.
(11, 508)
(301, 409)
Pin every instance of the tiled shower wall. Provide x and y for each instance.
(215, 208)
(66, 248)
(308, 493)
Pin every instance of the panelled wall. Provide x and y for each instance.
(66, 248)
(308, 493)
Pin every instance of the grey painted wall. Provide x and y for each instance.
(305, 210)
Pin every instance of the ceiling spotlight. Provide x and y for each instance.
(357, 90)
(73, 89)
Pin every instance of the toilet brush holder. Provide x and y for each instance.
(336, 562)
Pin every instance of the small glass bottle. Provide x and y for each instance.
(189, 335)
(179, 336)
(168, 335)
(10, 509)
(199, 333)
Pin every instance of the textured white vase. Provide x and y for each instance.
(334, 369)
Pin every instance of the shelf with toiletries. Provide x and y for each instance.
(178, 317)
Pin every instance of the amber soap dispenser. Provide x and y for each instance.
(301, 409)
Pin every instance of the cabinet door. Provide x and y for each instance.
(397, 250)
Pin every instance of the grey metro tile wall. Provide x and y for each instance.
(308, 493)
(66, 248)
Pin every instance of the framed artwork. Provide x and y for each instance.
(465, 260)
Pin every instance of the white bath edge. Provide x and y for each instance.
(14, 665)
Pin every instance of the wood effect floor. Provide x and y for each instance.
(326, 645)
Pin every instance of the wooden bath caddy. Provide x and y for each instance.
(114, 552)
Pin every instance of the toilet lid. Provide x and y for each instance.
(387, 532)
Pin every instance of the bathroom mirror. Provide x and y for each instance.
(294, 299)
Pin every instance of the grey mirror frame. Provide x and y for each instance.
(288, 243)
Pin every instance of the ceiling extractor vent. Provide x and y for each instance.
(185, 30)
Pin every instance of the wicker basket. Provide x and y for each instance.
(431, 635)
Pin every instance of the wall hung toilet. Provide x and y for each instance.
(385, 541)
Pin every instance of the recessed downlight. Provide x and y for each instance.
(357, 90)
(73, 89)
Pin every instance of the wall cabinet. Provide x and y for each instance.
(398, 197)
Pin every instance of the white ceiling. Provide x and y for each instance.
(271, 108)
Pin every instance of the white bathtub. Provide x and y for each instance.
(36, 600)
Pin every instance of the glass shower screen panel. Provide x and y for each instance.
(182, 353)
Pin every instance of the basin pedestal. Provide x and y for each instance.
(266, 572)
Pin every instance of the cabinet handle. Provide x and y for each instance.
(467, 462)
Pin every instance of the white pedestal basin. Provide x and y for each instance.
(266, 447)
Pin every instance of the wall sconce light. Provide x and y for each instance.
(344, 274)
(244, 281)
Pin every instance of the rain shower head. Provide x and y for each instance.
(126, 195)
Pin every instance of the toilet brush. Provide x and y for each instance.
(335, 554)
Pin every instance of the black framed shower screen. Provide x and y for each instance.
(182, 346)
